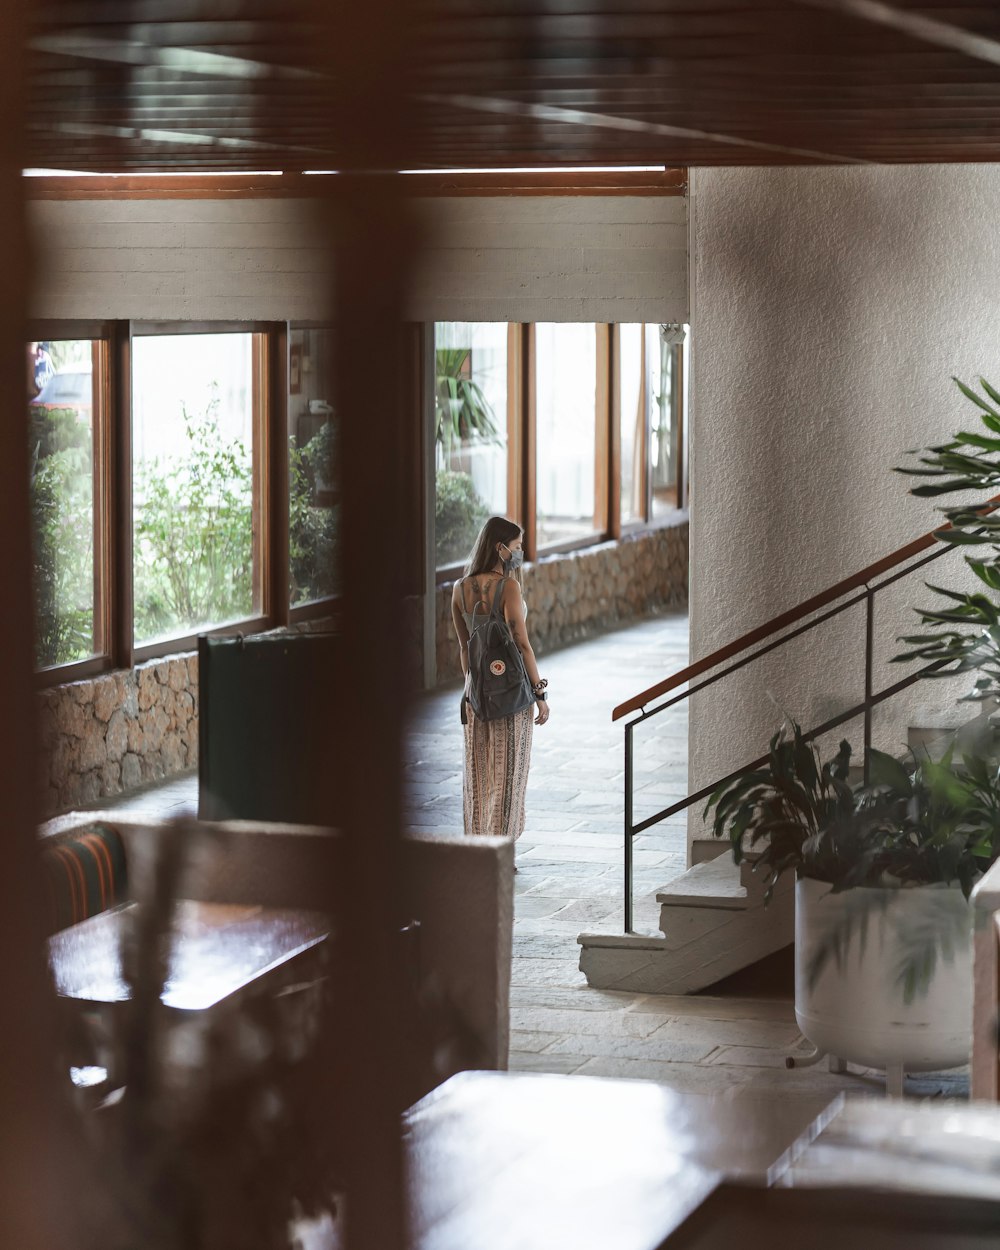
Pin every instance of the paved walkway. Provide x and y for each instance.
(570, 879)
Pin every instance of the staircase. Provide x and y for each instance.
(712, 920)
(712, 923)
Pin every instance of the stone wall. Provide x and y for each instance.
(582, 594)
(117, 731)
(111, 733)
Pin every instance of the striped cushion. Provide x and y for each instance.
(86, 873)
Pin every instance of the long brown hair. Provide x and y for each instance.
(484, 553)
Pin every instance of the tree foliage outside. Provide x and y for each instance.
(193, 533)
(313, 560)
(459, 514)
(62, 523)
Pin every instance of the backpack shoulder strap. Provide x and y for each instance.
(495, 610)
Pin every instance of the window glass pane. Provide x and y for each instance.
(61, 433)
(566, 405)
(664, 414)
(192, 482)
(313, 498)
(632, 416)
(470, 413)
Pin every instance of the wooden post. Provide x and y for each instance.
(381, 549)
(29, 1149)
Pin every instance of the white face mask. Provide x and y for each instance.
(515, 559)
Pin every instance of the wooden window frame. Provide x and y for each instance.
(113, 491)
(101, 336)
(261, 400)
(603, 450)
(680, 493)
(522, 443)
(517, 404)
(640, 524)
(113, 542)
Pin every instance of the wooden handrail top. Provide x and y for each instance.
(855, 582)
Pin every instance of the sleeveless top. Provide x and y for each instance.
(483, 612)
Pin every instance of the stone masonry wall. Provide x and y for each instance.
(575, 596)
(114, 732)
(108, 734)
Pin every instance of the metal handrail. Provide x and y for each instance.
(872, 698)
(855, 582)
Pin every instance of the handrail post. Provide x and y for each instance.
(869, 646)
(628, 826)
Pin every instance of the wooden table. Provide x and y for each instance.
(950, 1149)
(220, 952)
(525, 1161)
(505, 1161)
(221, 956)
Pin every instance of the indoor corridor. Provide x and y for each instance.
(569, 880)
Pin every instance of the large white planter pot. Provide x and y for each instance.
(856, 1008)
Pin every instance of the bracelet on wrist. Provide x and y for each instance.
(540, 684)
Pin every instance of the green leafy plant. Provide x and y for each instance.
(193, 532)
(916, 822)
(62, 535)
(459, 514)
(969, 462)
(792, 813)
(461, 408)
(312, 530)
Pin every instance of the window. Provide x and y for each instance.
(64, 415)
(565, 425)
(470, 433)
(664, 383)
(313, 498)
(166, 460)
(193, 427)
(632, 403)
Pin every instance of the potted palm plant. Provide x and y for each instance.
(884, 871)
(883, 964)
(963, 633)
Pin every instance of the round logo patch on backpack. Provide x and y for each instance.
(498, 668)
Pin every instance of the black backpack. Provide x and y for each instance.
(498, 684)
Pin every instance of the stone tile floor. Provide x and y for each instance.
(569, 879)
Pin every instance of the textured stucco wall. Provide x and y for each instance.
(540, 258)
(830, 308)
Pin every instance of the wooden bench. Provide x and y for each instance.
(85, 872)
(458, 890)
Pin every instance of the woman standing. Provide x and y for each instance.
(497, 752)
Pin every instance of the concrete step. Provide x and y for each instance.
(712, 918)
(713, 923)
(712, 883)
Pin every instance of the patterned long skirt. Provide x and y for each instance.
(497, 753)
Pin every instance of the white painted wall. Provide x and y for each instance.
(831, 307)
(539, 258)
